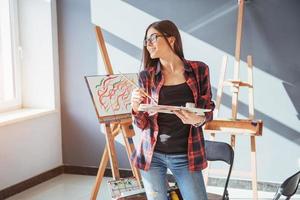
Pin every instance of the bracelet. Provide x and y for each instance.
(199, 123)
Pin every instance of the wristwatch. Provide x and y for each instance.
(199, 123)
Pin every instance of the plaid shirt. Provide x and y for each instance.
(197, 78)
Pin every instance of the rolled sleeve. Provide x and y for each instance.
(206, 95)
(140, 119)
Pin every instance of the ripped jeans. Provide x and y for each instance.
(191, 184)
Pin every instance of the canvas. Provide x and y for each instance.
(111, 93)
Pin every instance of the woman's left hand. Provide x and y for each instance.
(189, 117)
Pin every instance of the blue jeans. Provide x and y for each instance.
(191, 184)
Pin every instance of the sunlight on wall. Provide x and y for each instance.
(271, 99)
(117, 58)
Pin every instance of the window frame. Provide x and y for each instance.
(16, 102)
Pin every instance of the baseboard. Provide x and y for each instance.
(24, 185)
(92, 171)
(243, 184)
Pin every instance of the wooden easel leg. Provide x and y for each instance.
(100, 174)
(112, 152)
(206, 174)
(128, 133)
(103, 164)
(220, 86)
(253, 168)
(251, 116)
(251, 90)
(232, 141)
(103, 50)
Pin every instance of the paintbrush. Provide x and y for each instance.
(135, 85)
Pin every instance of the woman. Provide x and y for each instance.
(171, 141)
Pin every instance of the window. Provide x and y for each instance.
(10, 94)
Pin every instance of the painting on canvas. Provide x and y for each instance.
(111, 93)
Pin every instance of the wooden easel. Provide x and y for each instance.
(112, 129)
(236, 126)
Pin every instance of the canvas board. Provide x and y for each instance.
(111, 94)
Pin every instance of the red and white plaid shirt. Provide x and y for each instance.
(197, 78)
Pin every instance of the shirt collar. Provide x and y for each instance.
(187, 67)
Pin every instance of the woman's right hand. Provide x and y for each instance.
(137, 97)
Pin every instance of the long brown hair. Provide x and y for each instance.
(167, 28)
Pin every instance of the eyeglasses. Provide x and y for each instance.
(151, 39)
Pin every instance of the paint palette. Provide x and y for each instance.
(124, 187)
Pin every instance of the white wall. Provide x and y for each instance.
(29, 148)
(33, 146)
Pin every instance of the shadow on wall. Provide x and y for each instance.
(272, 124)
(272, 25)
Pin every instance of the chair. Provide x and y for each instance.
(289, 187)
(220, 151)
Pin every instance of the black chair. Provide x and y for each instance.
(289, 187)
(220, 151)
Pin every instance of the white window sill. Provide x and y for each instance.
(11, 117)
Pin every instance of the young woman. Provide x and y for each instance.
(171, 141)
